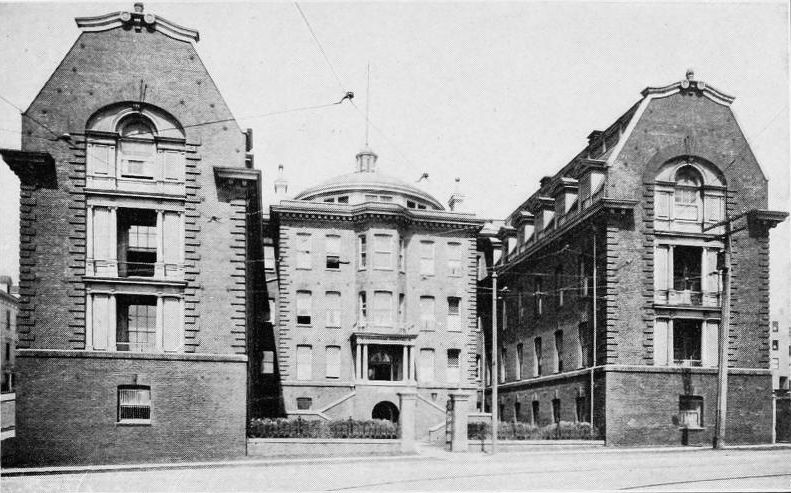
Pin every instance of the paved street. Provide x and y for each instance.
(701, 470)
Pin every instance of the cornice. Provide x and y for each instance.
(241, 174)
(32, 168)
(137, 20)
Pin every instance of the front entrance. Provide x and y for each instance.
(385, 410)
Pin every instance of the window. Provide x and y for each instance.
(585, 336)
(268, 363)
(304, 403)
(333, 361)
(535, 417)
(537, 357)
(690, 411)
(581, 409)
(687, 194)
(427, 258)
(427, 308)
(558, 351)
(137, 242)
(370, 198)
(556, 410)
(383, 308)
(7, 352)
(478, 367)
(686, 341)
(344, 199)
(303, 251)
(134, 404)
(454, 315)
(269, 257)
(775, 345)
(559, 285)
(402, 254)
(304, 362)
(362, 250)
(517, 410)
(401, 309)
(332, 302)
(362, 307)
(333, 245)
(454, 259)
(137, 149)
(411, 204)
(136, 328)
(383, 251)
(687, 268)
(270, 311)
(775, 364)
(8, 320)
(538, 297)
(304, 307)
(330, 200)
(453, 365)
(426, 369)
(585, 276)
(502, 365)
(519, 360)
(775, 325)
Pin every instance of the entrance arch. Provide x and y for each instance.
(385, 410)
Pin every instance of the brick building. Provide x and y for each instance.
(376, 299)
(614, 294)
(9, 306)
(140, 246)
(780, 355)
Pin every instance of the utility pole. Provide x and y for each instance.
(724, 334)
(495, 373)
(594, 325)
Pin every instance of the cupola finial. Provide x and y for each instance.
(139, 7)
(690, 74)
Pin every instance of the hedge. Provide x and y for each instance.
(565, 430)
(317, 428)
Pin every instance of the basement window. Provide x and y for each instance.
(690, 411)
(134, 404)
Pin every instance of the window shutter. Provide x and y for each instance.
(172, 238)
(662, 204)
(101, 320)
(713, 205)
(101, 159)
(712, 274)
(660, 343)
(333, 362)
(172, 325)
(711, 339)
(660, 268)
(104, 238)
(173, 162)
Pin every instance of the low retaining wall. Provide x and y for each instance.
(528, 445)
(321, 447)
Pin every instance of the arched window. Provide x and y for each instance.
(687, 194)
(137, 147)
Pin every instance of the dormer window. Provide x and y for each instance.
(137, 148)
(687, 194)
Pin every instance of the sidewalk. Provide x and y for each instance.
(425, 452)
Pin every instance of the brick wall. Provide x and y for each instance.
(67, 408)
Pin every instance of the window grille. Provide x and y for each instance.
(134, 404)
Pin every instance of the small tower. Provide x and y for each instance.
(456, 200)
(281, 184)
(366, 160)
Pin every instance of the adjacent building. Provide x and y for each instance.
(8, 339)
(377, 299)
(140, 253)
(613, 275)
(780, 356)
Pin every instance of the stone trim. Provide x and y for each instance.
(71, 353)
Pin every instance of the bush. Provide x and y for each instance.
(317, 428)
(564, 430)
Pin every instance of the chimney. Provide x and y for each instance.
(456, 201)
(281, 184)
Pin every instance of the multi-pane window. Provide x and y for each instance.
(304, 362)
(333, 361)
(427, 310)
(333, 247)
(426, 365)
(304, 307)
(383, 308)
(362, 251)
(304, 403)
(687, 341)
(303, 251)
(137, 149)
(383, 251)
(519, 360)
(268, 363)
(538, 297)
(454, 259)
(453, 365)
(362, 307)
(427, 258)
(558, 351)
(137, 329)
(137, 242)
(454, 314)
(537, 357)
(134, 404)
(332, 304)
(402, 254)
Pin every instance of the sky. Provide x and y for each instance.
(496, 94)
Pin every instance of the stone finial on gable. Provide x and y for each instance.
(137, 19)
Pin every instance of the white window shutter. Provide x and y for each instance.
(660, 343)
(711, 337)
(173, 164)
(172, 237)
(104, 240)
(660, 267)
(101, 159)
(101, 320)
(713, 275)
(172, 324)
(662, 204)
(714, 207)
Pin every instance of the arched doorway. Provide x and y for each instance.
(385, 410)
